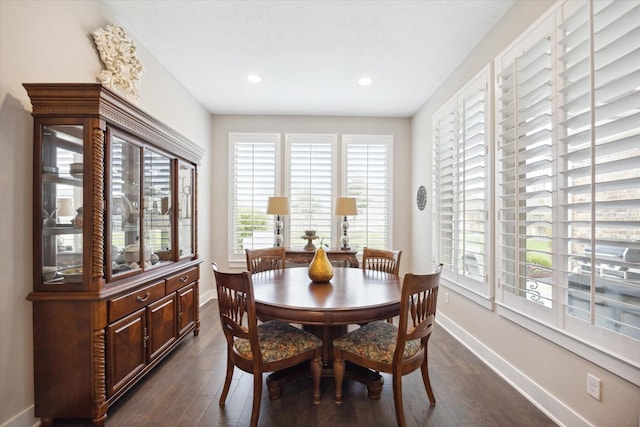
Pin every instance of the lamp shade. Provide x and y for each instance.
(278, 206)
(345, 206)
(65, 207)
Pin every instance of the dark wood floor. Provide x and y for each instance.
(184, 391)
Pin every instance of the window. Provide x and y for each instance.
(568, 194)
(367, 177)
(311, 181)
(254, 162)
(460, 182)
(525, 184)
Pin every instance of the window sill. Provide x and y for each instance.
(619, 365)
(476, 297)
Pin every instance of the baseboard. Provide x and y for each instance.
(205, 297)
(24, 418)
(555, 409)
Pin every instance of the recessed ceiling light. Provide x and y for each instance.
(254, 78)
(365, 81)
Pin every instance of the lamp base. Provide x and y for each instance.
(345, 237)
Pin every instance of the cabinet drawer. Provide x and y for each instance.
(126, 304)
(179, 280)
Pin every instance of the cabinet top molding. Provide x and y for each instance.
(95, 100)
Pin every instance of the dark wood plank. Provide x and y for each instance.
(185, 388)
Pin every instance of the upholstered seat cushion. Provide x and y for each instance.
(375, 341)
(279, 341)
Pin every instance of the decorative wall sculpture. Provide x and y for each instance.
(118, 54)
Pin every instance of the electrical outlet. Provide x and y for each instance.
(593, 386)
(446, 297)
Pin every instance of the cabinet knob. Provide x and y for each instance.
(184, 279)
(143, 298)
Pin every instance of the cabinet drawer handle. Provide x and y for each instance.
(184, 279)
(144, 298)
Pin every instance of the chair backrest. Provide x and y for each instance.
(418, 303)
(237, 308)
(381, 260)
(265, 259)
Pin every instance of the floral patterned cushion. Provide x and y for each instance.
(279, 341)
(375, 341)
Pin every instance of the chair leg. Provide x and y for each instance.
(397, 398)
(338, 376)
(227, 381)
(257, 398)
(316, 374)
(424, 368)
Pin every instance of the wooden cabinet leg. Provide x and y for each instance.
(99, 421)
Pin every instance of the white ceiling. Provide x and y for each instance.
(310, 54)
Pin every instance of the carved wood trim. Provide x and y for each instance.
(97, 240)
(99, 369)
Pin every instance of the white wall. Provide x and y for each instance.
(223, 124)
(548, 374)
(42, 42)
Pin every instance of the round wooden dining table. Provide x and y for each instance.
(353, 296)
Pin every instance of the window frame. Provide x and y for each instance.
(239, 259)
(309, 138)
(282, 143)
(354, 222)
(479, 291)
(616, 352)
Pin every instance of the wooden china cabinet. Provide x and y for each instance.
(115, 261)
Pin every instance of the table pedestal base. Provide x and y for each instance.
(277, 380)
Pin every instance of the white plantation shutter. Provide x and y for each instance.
(445, 138)
(568, 180)
(367, 161)
(524, 155)
(254, 160)
(311, 177)
(599, 166)
(461, 185)
(473, 239)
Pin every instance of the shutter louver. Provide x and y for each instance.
(460, 184)
(600, 153)
(254, 172)
(368, 179)
(525, 174)
(311, 173)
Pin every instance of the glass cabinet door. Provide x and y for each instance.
(62, 211)
(125, 205)
(186, 184)
(158, 207)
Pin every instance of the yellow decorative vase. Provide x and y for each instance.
(320, 269)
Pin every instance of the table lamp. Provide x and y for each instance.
(345, 206)
(65, 208)
(278, 206)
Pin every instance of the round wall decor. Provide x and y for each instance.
(421, 198)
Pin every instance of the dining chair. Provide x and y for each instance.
(383, 347)
(384, 260)
(265, 259)
(257, 348)
(381, 260)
